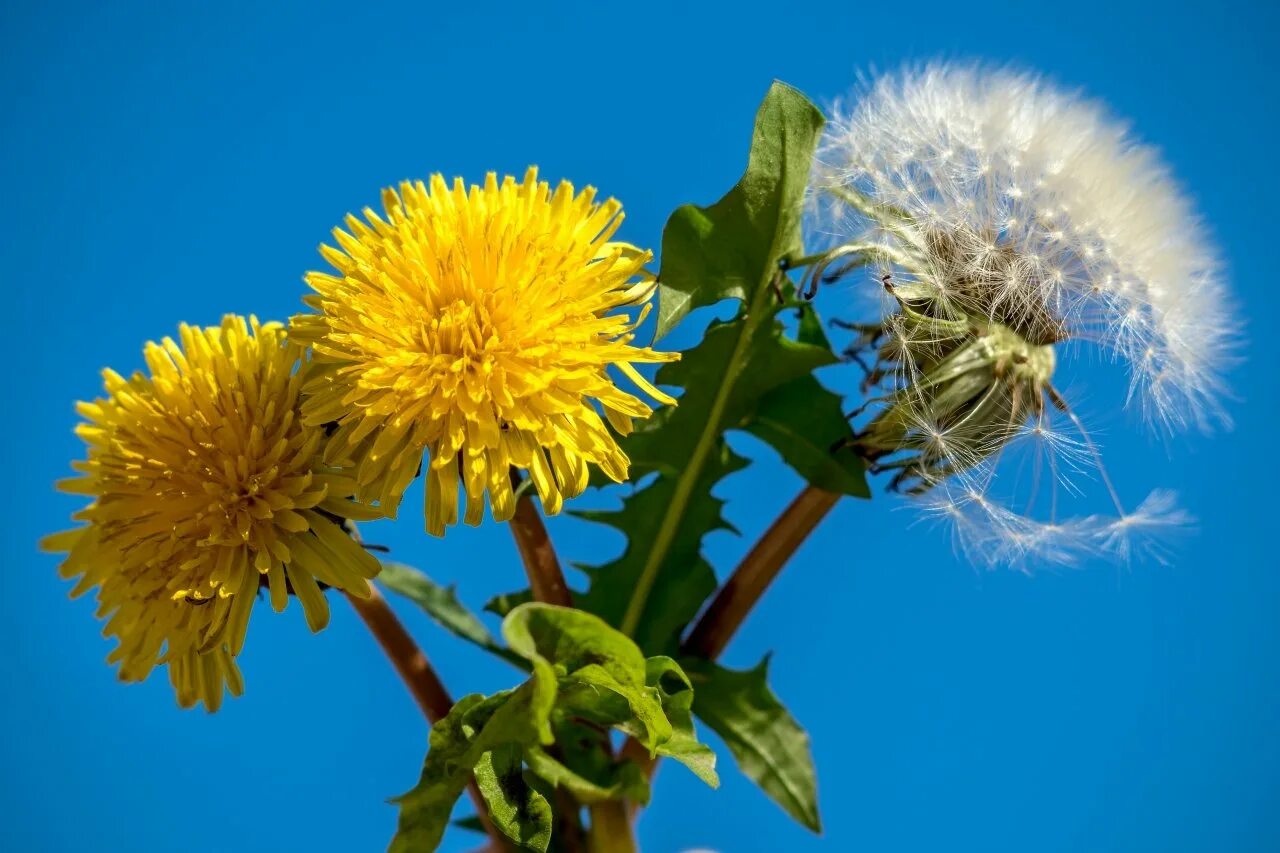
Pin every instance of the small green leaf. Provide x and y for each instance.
(472, 823)
(629, 781)
(519, 811)
(593, 661)
(441, 604)
(570, 639)
(474, 726)
(769, 745)
(666, 676)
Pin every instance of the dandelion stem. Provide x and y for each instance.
(611, 828)
(419, 676)
(412, 665)
(541, 565)
(610, 821)
(739, 594)
(745, 586)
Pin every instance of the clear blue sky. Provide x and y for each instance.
(169, 163)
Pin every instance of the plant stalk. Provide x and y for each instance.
(748, 582)
(734, 601)
(610, 830)
(541, 565)
(420, 677)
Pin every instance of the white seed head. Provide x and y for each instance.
(1005, 218)
(1053, 206)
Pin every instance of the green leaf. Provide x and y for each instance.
(731, 249)
(628, 779)
(518, 810)
(441, 604)
(665, 675)
(594, 663)
(806, 424)
(604, 678)
(570, 640)
(501, 605)
(472, 823)
(474, 726)
(719, 252)
(769, 745)
(585, 673)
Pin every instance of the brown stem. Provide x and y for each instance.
(748, 582)
(421, 679)
(546, 580)
(569, 824)
(727, 611)
(610, 830)
(412, 665)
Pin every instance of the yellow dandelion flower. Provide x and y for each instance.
(477, 325)
(206, 484)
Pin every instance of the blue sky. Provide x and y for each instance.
(172, 162)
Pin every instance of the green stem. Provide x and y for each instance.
(611, 828)
(756, 314)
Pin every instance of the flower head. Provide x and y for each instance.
(477, 325)
(1005, 218)
(206, 485)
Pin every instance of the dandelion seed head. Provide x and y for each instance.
(1049, 207)
(1009, 223)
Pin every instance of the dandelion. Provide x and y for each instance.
(477, 325)
(205, 486)
(1005, 219)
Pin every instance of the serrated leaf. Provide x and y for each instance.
(685, 578)
(723, 377)
(518, 810)
(768, 744)
(806, 424)
(731, 249)
(442, 605)
(718, 252)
